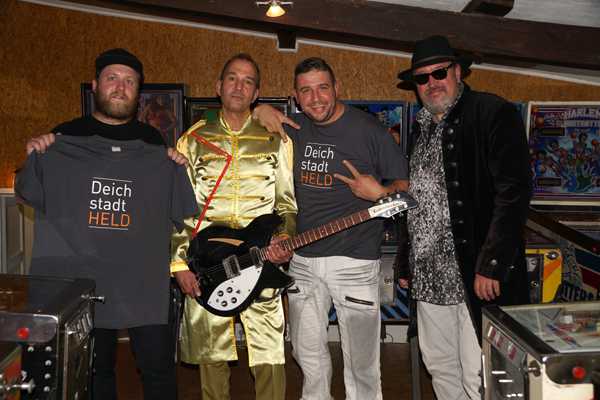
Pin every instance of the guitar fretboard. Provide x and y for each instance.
(321, 232)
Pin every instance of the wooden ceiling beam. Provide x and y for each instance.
(390, 26)
(499, 8)
(286, 40)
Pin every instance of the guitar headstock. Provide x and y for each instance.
(393, 204)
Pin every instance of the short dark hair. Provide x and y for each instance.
(244, 57)
(313, 63)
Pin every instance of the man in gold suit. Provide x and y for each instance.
(239, 171)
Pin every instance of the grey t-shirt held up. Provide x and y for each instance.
(105, 210)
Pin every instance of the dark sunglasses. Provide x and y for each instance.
(438, 75)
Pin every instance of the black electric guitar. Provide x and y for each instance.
(231, 264)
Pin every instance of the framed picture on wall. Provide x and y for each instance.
(411, 114)
(283, 104)
(522, 109)
(198, 108)
(160, 105)
(392, 114)
(564, 142)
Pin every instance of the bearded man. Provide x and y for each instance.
(127, 165)
(469, 171)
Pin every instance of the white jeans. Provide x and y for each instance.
(450, 350)
(353, 286)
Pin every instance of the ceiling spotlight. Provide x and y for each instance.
(275, 9)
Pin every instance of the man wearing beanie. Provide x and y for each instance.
(107, 195)
(115, 108)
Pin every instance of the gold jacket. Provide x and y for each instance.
(236, 176)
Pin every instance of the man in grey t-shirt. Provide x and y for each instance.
(344, 268)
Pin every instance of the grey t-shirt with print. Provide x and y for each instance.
(318, 154)
(105, 210)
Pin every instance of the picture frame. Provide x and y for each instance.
(391, 113)
(161, 105)
(283, 104)
(411, 117)
(564, 143)
(294, 106)
(522, 109)
(198, 108)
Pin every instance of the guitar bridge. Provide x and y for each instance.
(231, 265)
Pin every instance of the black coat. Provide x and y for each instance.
(486, 163)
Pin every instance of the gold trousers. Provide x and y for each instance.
(208, 338)
(269, 381)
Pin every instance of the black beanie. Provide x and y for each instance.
(119, 56)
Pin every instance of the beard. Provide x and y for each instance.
(123, 111)
(439, 105)
(438, 99)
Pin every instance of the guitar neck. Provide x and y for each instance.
(323, 231)
(385, 207)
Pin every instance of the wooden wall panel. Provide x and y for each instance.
(47, 52)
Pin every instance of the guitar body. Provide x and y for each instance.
(229, 274)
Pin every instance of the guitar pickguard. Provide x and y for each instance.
(230, 294)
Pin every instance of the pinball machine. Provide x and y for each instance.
(49, 321)
(541, 351)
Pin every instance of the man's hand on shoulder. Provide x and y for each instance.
(176, 156)
(40, 143)
(272, 120)
(363, 186)
(187, 282)
(486, 288)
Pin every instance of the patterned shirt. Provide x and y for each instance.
(436, 276)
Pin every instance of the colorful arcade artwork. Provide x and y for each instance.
(389, 113)
(564, 141)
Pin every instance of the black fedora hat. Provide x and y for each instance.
(433, 50)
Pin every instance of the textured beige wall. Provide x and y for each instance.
(47, 52)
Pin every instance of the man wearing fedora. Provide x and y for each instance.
(469, 171)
